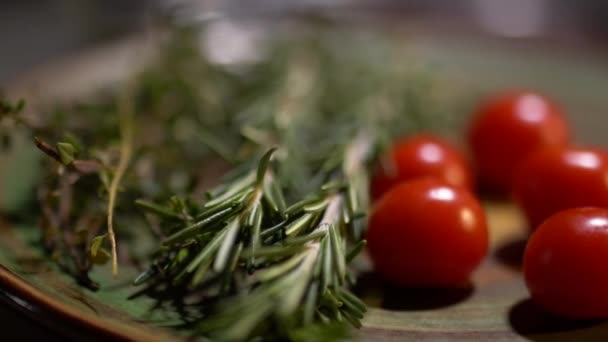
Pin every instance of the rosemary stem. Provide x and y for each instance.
(356, 153)
(331, 216)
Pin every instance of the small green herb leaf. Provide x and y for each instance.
(101, 258)
(157, 209)
(67, 152)
(96, 244)
(263, 166)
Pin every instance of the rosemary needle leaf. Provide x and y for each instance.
(346, 215)
(338, 315)
(311, 302)
(270, 197)
(214, 209)
(296, 226)
(200, 272)
(251, 216)
(263, 166)
(350, 298)
(273, 251)
(270, 273)
(318, 265)
(337, 253)
(194, 228)
(335, 185)
(179, 258)
(144, 276)
(297, 207)
(323, 317)
(277, 193)
(296, 290)
(354, 321)
(206, 252)
(255, 236)
(157, 209)
(352, 311)
(327, 263)
(306, 238)
(317, 206)
(330, 300)
(228, 242)
(274, 229)
(234, 259)
(234, 191)
(355, 251)
(353, 199)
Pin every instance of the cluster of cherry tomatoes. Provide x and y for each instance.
(428, 228)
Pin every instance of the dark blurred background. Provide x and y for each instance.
(35, 31)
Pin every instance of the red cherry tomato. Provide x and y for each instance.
(554, 179)
(506, 129)
(427, 233)
(420, 156)
(565, 263)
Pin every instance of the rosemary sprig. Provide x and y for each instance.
(311, 283)
(221, 229)
(300, 267)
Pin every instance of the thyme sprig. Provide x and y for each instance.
(125, 113)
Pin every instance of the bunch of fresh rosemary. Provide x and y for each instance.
(266, 253)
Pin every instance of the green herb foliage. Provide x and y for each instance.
(266, 252)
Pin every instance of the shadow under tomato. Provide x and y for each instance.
(511, 254)
(487, 194)
(396, 298)
(528, 319)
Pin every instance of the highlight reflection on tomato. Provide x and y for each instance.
(565, 263)
(427, 233)
(420, 156)
(506, 129)
(555, 179)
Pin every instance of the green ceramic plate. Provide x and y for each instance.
(497, 308)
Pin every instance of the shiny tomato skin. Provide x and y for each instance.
(565, 263)
(554, 179)
(421, 155)
(506, 129)
(426, 233)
